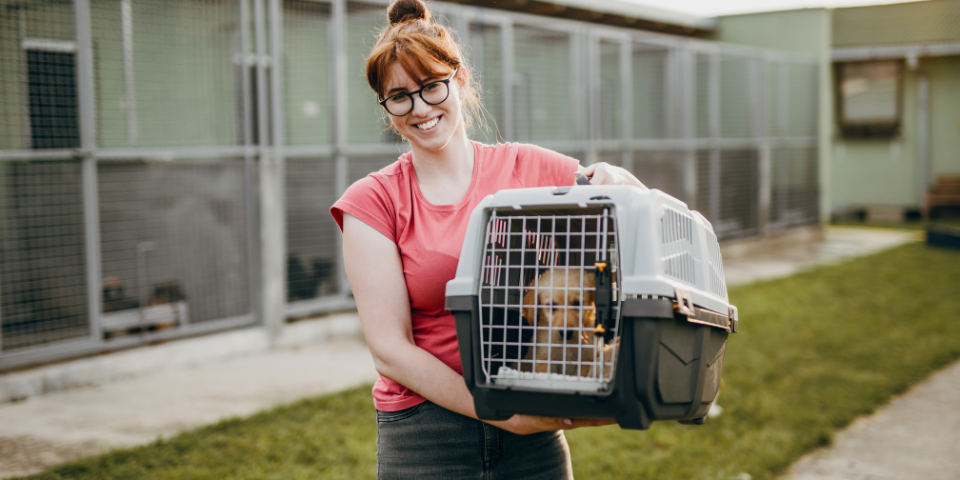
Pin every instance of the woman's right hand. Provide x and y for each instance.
(527, 424)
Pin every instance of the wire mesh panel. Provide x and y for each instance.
(484, 51)
(793, 187)
(802, 100)
(155, 60)
(706, 187)
(308, 72)
(38, 98)
(544, 98)
(650, 101)
(657, 169)
(173, 244)
(540, 277)
(735, 97)
(739, 195)
(42, 279)
(311, 234)
(365, 119)
(360, 167)
(703, 67)
(608, 95)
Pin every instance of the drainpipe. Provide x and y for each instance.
(923, 137)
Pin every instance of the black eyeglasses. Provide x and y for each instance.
(433, 93)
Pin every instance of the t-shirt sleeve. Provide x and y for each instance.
(539, 167)
(368, 200)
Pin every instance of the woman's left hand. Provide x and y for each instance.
(603, 173)
(527, 424)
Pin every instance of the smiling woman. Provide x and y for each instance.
(403, 230)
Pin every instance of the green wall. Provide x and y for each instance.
(801, 31)
(885, 172)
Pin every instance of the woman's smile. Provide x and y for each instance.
(429, 124)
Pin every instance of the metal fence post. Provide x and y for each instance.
(273, 303)
(339, 87)
(250, 166)
(714, 128)
(86, 91)
(626, 109)
(508, 51)
(687, 107)
(758, 112)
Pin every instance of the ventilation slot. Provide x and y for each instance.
(676, 234)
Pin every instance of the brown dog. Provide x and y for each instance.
(562, 310)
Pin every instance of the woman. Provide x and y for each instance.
(403, 229)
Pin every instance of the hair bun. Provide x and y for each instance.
(407, 11)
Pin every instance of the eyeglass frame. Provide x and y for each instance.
(446, 82)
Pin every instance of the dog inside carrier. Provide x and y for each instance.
(548, 309)
(604, 302)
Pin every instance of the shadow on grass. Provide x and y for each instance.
(815, 351)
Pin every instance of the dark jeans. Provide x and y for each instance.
(428, 441)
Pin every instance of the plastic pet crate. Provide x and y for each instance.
(604, 302)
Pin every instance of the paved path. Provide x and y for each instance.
(915, 437)
(55, 428)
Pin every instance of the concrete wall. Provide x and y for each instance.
(803, 31)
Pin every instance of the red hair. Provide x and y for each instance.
(424, 50)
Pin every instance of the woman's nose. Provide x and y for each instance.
(419, 106)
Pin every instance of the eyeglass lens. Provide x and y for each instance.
(432, 94)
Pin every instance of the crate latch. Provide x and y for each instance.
(684, 304)
(603, 297)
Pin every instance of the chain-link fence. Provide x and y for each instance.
(132, 134)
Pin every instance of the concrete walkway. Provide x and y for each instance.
(54, 428)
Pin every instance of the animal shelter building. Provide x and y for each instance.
(166, 166)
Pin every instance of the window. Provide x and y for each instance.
(869, 98)
(53, 99)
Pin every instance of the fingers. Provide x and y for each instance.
(571, 423)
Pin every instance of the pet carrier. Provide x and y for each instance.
(603, 302)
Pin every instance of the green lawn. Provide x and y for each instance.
(815, 351)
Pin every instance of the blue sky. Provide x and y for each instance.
(710, 8)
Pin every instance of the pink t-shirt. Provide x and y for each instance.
(429, 237)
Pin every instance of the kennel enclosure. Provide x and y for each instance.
(591, 302)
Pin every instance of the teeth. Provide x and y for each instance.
(427, 125)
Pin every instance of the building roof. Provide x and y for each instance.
(609, 12)
(931, 21)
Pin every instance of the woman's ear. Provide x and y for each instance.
(462, 80)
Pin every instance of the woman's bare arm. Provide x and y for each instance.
(376, 276)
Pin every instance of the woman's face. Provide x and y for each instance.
(427, 127)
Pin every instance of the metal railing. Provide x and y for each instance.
(157, 155)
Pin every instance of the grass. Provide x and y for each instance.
(815, 351)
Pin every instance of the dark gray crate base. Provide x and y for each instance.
(663, 364)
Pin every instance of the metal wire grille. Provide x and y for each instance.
(536, 299)
(362, 166)
(608, 92)
(735, 94)
(794, 192)
(193, 83)
(649, 85)
(308, 73)
(311, 234)
(157, 59)
(657, 169)
(739, 216)
(545, 102)
(173, 244)
(366, 120)
(484, 50)
(42, 283)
